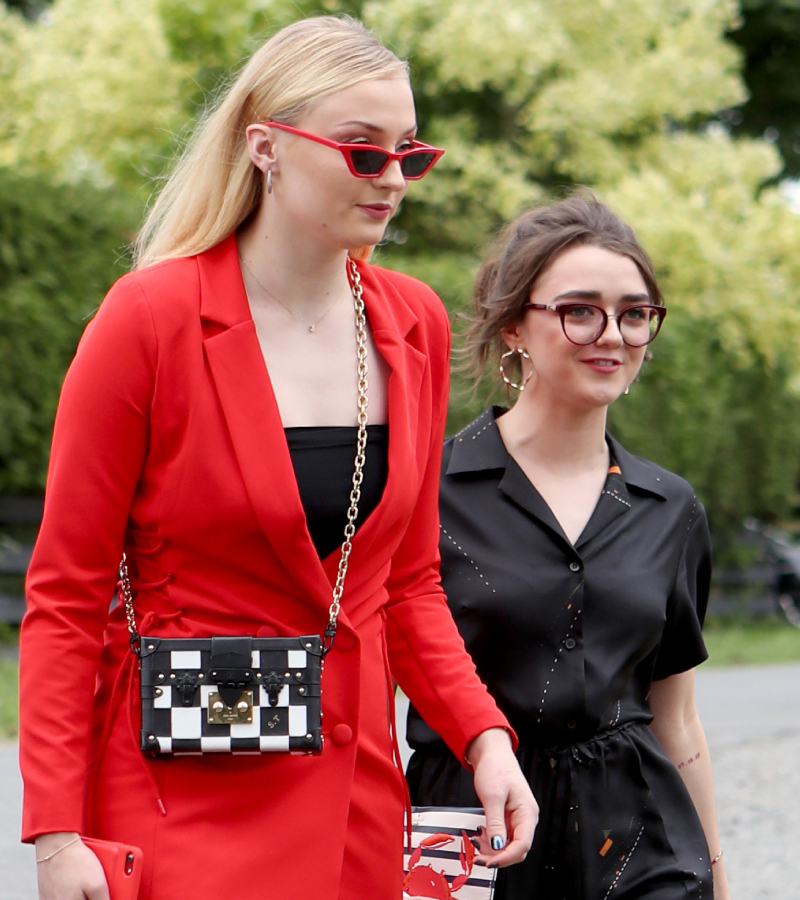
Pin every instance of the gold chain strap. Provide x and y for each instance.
(361, 453)
(355, 492)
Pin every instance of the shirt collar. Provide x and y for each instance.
(479, 448)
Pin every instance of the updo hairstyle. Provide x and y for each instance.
(524, 251)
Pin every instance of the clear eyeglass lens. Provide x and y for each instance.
(638, 326)
(585, 324)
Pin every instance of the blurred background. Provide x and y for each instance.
(684, 116)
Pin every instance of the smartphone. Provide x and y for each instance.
(122, 864)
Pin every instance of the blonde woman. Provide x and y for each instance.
(208, 428)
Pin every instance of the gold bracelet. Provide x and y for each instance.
(717, 858)
(64, 847)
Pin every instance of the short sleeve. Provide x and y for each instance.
(682, 646)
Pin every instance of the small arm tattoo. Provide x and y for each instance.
(689, 761)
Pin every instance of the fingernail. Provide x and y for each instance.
(491, 865)
(497, 842)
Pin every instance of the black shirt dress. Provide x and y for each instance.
(568, 640)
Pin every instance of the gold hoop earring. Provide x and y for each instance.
(523, 354)
(269, 181)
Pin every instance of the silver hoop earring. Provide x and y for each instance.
(523, 354)
(269, 181)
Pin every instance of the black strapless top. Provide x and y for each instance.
(324, 461)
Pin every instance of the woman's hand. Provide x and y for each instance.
(72, 873)
(511, 810)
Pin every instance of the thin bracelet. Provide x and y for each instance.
(717, 858)
(64, 847)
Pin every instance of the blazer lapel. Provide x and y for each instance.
(391, 319)
(251, 413)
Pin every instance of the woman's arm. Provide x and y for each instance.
(99, 446)
(677, 726)
(427, 654)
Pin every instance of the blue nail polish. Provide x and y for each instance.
(497, 842)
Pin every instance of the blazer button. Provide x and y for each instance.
(341, 735)
(574, 567)
(569, 643)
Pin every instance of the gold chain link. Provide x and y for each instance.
(361, 446)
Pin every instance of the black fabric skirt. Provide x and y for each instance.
(616, 821)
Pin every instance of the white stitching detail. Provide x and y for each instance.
(464, 553)
(466, 428)
(622, 868)
(555, 661)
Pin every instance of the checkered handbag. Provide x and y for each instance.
(231, 695)
(243, 694)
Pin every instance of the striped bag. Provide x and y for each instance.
(440, 865)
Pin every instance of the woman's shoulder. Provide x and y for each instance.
(160, 280)
(420, 297)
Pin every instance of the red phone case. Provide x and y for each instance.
(122, 864)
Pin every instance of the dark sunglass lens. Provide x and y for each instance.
(368, 162)
(416, 164)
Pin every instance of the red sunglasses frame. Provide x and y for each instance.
(346, 150)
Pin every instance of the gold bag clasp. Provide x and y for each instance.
(219, 713)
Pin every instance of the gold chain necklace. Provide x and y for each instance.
(313, 326)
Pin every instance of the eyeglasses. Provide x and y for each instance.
(583, 323)
(370, 161)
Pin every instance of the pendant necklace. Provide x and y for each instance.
(313, 326)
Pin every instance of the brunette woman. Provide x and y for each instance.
(208, 427)
(578, 575)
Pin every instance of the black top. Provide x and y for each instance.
(562, 634)
(568, 640)
(324, 462)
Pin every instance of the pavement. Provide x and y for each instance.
(751, 717)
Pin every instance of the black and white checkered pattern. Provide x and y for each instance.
(447, 859)
(177, 672)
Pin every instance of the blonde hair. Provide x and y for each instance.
(214, 186)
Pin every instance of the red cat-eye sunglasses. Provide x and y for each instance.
(371, 161)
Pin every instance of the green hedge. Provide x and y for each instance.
(60, 250)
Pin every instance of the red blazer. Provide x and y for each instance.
(168, 441)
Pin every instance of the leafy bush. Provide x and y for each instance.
(61, 247)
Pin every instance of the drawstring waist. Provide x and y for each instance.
(125, 683)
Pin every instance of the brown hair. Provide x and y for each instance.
(525, 249)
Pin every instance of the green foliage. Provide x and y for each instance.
(527, 99)
(31, 9)
(9, 702)
(60, 249)
(732, 430)
(738, 640)
(92, 92)
(768, 32)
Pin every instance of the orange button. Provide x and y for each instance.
(341, 735)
